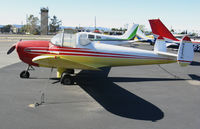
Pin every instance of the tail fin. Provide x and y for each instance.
(130, 33)
(158, 28)
(185, 52)
(160, 45)
(140, 34)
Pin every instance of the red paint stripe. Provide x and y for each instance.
(195, 42)
(72, 50)
(92, 52)
(184, 61)
(129, 56)
(71, 54)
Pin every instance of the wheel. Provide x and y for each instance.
(67, 80)
(24, 74)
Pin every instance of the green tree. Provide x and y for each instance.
(25, 29)
(54, 24)
(6, 29)
(32, 26)
(172, 30)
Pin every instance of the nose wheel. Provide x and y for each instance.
(25, 73)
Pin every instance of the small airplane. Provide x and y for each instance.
(159, 29)
(127, 37)
(141, 37)
(67, 52)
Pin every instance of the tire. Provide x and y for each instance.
(24, 74)
(67, 80)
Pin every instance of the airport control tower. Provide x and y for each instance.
(44, 21)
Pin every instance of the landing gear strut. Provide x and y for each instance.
(25, 73)
(67, 77)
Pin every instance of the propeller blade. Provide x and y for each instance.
(11, 49)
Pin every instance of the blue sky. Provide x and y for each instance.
(178, 14)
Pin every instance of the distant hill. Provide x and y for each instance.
(62, 27)
(16, 25)
(89, 28)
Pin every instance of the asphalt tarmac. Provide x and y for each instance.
(140, 97)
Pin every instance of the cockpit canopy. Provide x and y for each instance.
(64, 40)
(71, 40)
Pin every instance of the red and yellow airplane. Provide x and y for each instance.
(67, 52)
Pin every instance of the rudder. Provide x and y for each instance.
(185, 52)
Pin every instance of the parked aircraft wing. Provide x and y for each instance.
(61, 62)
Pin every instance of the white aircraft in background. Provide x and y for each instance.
(141, 37)
(127, 37)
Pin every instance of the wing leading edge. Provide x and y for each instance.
(60, 62)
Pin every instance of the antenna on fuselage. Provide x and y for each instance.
(62, 38)
(95, 23)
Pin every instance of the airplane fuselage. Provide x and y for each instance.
(95, 55)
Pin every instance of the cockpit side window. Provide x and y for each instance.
(98, 37)
(69, 40)
(90, 36)
(83, 39)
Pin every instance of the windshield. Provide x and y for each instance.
(57, 39)
(64, 39)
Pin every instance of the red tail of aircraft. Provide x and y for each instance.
(158, 28)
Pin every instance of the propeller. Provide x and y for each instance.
(11, 49)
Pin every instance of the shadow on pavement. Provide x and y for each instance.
(115, 99)
(195, 63)
(194, 77)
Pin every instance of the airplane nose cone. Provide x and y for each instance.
(19, 47)
(24, 50)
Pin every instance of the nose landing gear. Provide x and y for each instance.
(25, 73)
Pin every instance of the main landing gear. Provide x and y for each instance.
(25, 73)
(67, 77)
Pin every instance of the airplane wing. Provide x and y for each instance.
(60, 62)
